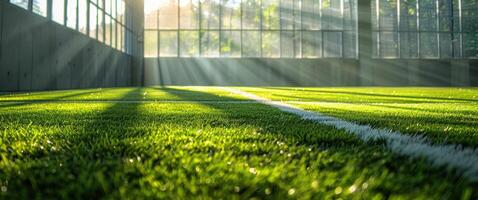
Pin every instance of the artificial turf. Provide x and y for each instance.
(444, 115)
(139, 145)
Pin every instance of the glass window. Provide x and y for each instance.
(251, 14)
(58, 11)
(188, 44)
(271, 44)
(71, 13)
(388, 45)
(151, 13)
(101, 26)
(290, 14)
(21, 3)
(107, 30)
(255, 28)
(270, 14)
(121, 38)
(210, 14)
(108, 6)
(251, 41)
(421, 29)
(311, 15)
(287, 44)
(118, 36)
(231, 14)
(82, 16)
(230, 43)
(113, 33)
(113, 8)
(428, 45)
(93, 21)
(168, 14)
(189, 14)
(150, 44)
(120, 10)
(168, 43)
(40, 7)
(312, 44)
(209, 43)
(332, 44)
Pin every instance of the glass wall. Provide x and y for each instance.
(425, 28)
(251, 28)
(104, 20)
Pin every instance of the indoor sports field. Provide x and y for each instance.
(235, 143)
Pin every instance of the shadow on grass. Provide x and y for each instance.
(13, 103)
(406, 98)
(298, 132)
(89, 154)
(100, 155)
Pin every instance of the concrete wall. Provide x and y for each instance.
(310, 72)
(38, 54)
(137, 13)
(250, 71)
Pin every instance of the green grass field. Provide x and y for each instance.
(206, 143)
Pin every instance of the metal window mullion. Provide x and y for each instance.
(293, 29)
(342, 14)
(280, 28)
(377, 11)
(77, 14)
(65, 12)
(200, 28)
(49, 12)
(418, 30)
(437, 11)
(322, 51)
(301, 29)
(103, 23)
(178, 50)
(260, 28)
(452, 27)
(460, 23)
(398, 28)
(158, 36)
(113, 10)
(242, 35)
(88, 28)
(30, 5)
(220, 27)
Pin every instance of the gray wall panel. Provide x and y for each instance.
(38, 54)
(9, 77)
(41, 54)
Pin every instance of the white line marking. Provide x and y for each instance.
(464, 160)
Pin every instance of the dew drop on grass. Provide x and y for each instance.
(338, 190)
(291, 191)
(352, 188)
(364, 186)
(314, 184)
(237, 189)
(252, 170)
